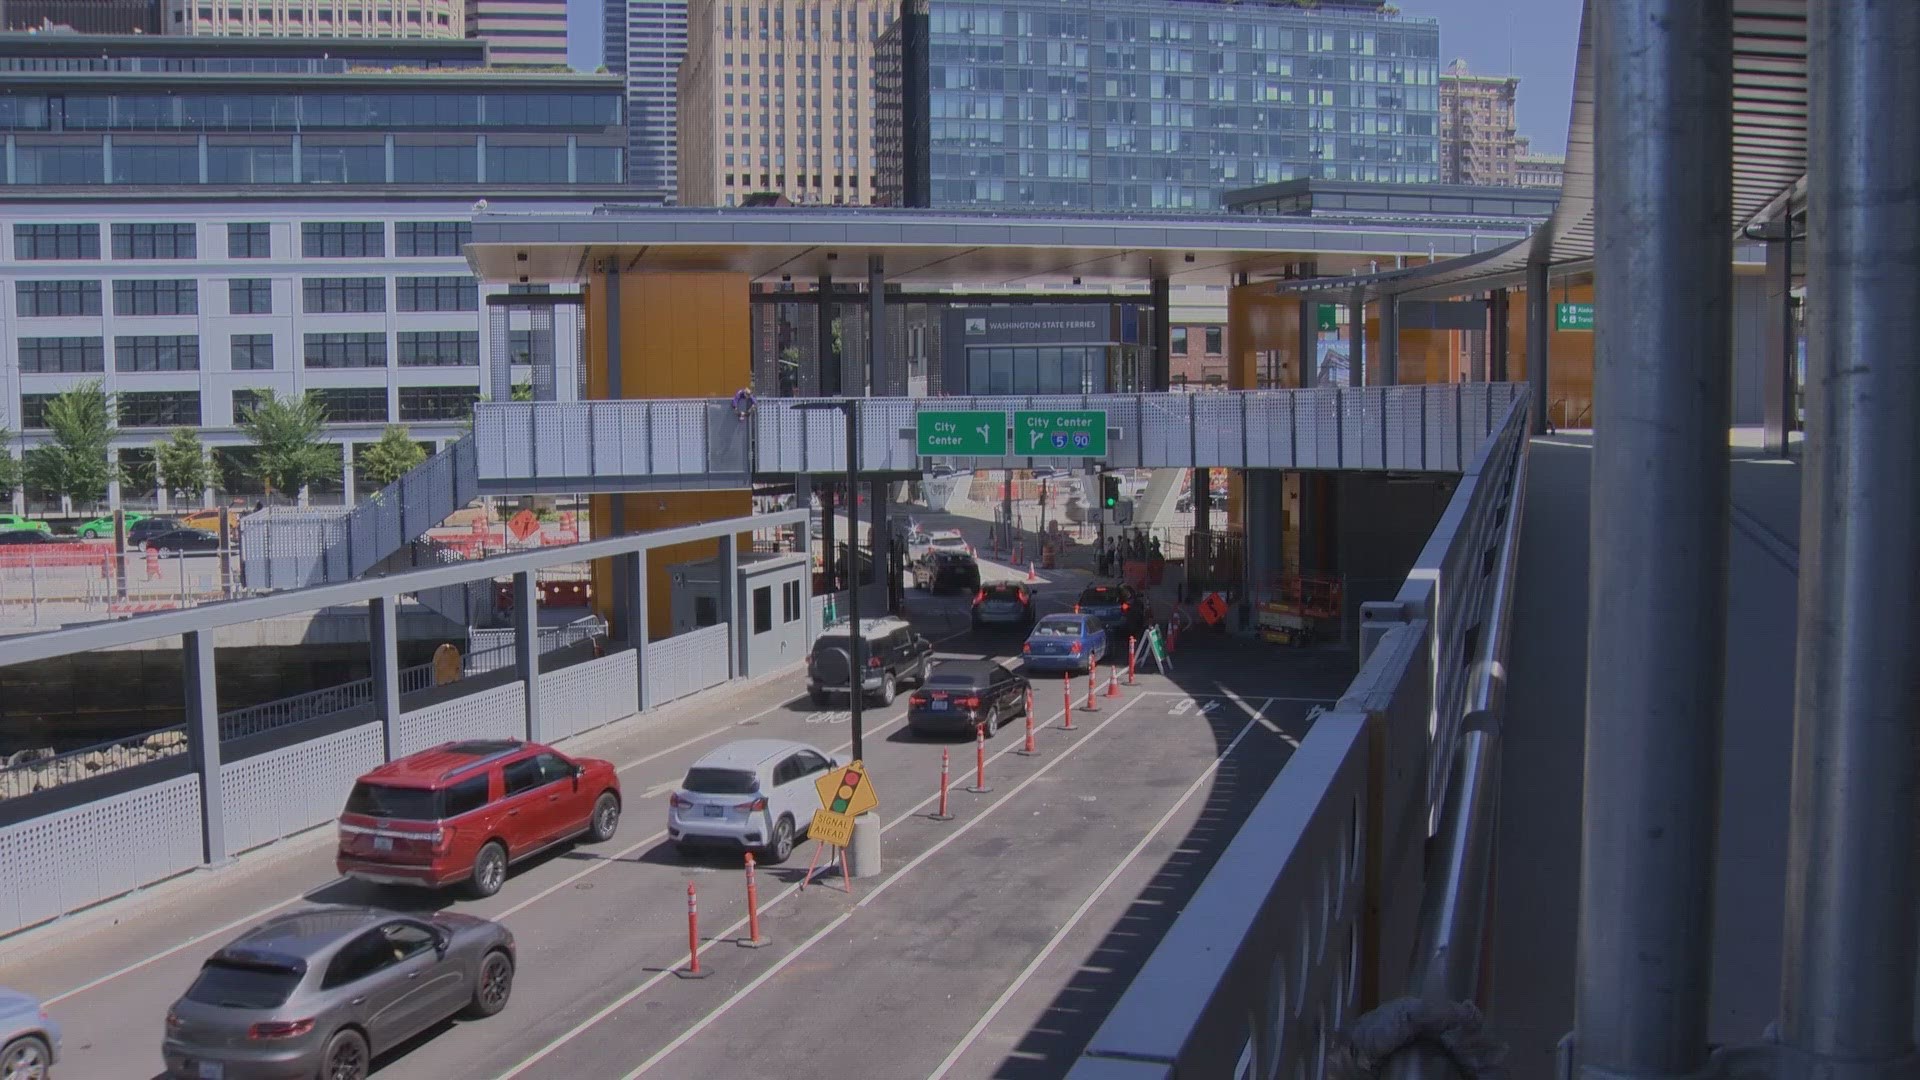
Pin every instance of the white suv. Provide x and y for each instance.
(755, 793)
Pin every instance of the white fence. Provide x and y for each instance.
(701, 442)
(499, 713)
(280, 793)
(589, 695)
(686, 664)
(70, 859)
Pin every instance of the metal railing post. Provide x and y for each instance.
(383, 647)
(203, 741)
(526, 646)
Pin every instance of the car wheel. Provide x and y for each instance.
(606, 817)
(26, 1058)
(489, 869)
(992, 723)
(345, 1057)
(887, 689)
(782, 846)
(494, 985)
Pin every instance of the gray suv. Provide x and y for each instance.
(319, 992)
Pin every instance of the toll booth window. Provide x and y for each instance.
(763, 609)
(790, 602)
(706, 611)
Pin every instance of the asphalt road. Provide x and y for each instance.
(991, 945)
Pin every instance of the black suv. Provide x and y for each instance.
(1122, 607)
(893, 652)
(937, 570)
(965, 694)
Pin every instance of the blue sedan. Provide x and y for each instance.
(1065, 643)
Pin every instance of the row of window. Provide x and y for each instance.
(247, 111)
(366, 162)
(245, 239)
(1214, 340)
(343, 405)
(249, 352)
(246, 296)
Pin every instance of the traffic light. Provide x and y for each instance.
(1109, 491)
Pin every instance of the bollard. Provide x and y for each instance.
(1028, 749)
(980, 760)
(754, 940)
(1093, 692)
(1173, 633)
(1133, 649)
(692, 970)
(1113, 682)
(1066, 687)
(942, 815)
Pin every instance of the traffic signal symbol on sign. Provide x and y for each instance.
(847, 791)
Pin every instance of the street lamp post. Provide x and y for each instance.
(850, 408)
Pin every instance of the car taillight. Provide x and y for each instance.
(280, 1029)
(1026, 647)
(677, 802)
(970, 702)
(1126, 607)
(980, 597)
(1076, 648)
(442, 840)
(757, 804)
(173, 1018)
(918, 700)
(873, 661)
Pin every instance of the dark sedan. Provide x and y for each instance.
(961, 695)
(938, 571)
(182, 540)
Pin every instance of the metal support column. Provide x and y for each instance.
(1389, 341)
(383, 655)
(1539, 297)
(729, 589)
(823, 339)
(617, 502)
(828, 534)
(1779, 346)
(636, 574)
(203, 741)
(879, 532)
(526, 646)
(1498, 310)
(1656, 654)
(1309, 341)
(1847, 967)
(879, 355)
(1357, 337)
(1161, 295)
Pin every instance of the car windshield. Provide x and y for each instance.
(383, 801)
(230, 985)
(720, 782)
(1057, 628)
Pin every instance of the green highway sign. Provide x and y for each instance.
(1573, 317)
(963, 433)
(1060, 433)
(1326, 318)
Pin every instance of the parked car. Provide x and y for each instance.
(1071, 643)
(1122, 607)
(961, 695)
(29, 1038)
(1003, 603)
(101, 528)
(321, 992)
(755, 793)
(16, 523)
(180, 540)
(26, 536)
(462, 812)
(938, 571)
(139, 531)
(210, 519)
(894, 653)
(949, 540)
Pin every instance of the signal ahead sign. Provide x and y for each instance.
(1060, 433)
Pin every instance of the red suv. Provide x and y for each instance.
(462, 811)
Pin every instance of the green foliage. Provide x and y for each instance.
(75, 463)
(385, 461)
(285, 430)
(523, 391)
(10, 471)
(182, 463)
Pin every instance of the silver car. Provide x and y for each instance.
(29, 1039)
(319, 992)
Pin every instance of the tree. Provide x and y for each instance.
(385, 461)
(10, 471)
(75, 463)
(182, 463)
(286, 435)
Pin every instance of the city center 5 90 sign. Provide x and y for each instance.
(1060, 433)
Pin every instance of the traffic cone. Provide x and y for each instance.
(1031, 576)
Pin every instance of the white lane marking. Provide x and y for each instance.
(727, 933)
(869, 897)
(659, 789)
(966, 1042)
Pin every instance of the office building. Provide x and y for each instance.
(82, 16)
(778, 97)
(1537, 170)
(520, 33)
(190, 233)
(317, 18)
(1478, 142)
(645, 42)
(1149, 105)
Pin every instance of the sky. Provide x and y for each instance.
(1535, 40)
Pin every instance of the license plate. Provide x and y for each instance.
(713, 811)
(383, 843)
(941, 706)
(212, 1070)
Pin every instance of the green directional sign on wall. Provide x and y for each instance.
(962, 433)
(1573, 317)
(1326, 317)
(1060, 433)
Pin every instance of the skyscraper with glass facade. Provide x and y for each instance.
(645, 40)
(1123, 105)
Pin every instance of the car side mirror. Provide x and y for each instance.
(442, 941)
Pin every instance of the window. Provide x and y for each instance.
(156, 352)
(1213, 340)
(61, 355)
(431, 237)
(763, 609)
(526, 164)
(158, 408)
(345, 350)
(155, 163)
(455, 292)
(162, 296)
(248, 163)
(439, 348)
(353, 404)
(154, 240)
(437, 402)
(333, 163)
(553, 767)
(363, 956)
(249, 240)
(49, 298)
(244, 402)
(435, 164)
(466, 796)
(809, 763)
(33, 411)
(1179, 345)
(251, 352)
(68, 163)
(522, 775)
(339, 294)
(790, 602)
(250, 296)
(246, 986)
(342, 239)
(56, 241)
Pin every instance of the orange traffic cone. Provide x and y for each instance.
(1031, 576)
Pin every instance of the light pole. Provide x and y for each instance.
(856, 672)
